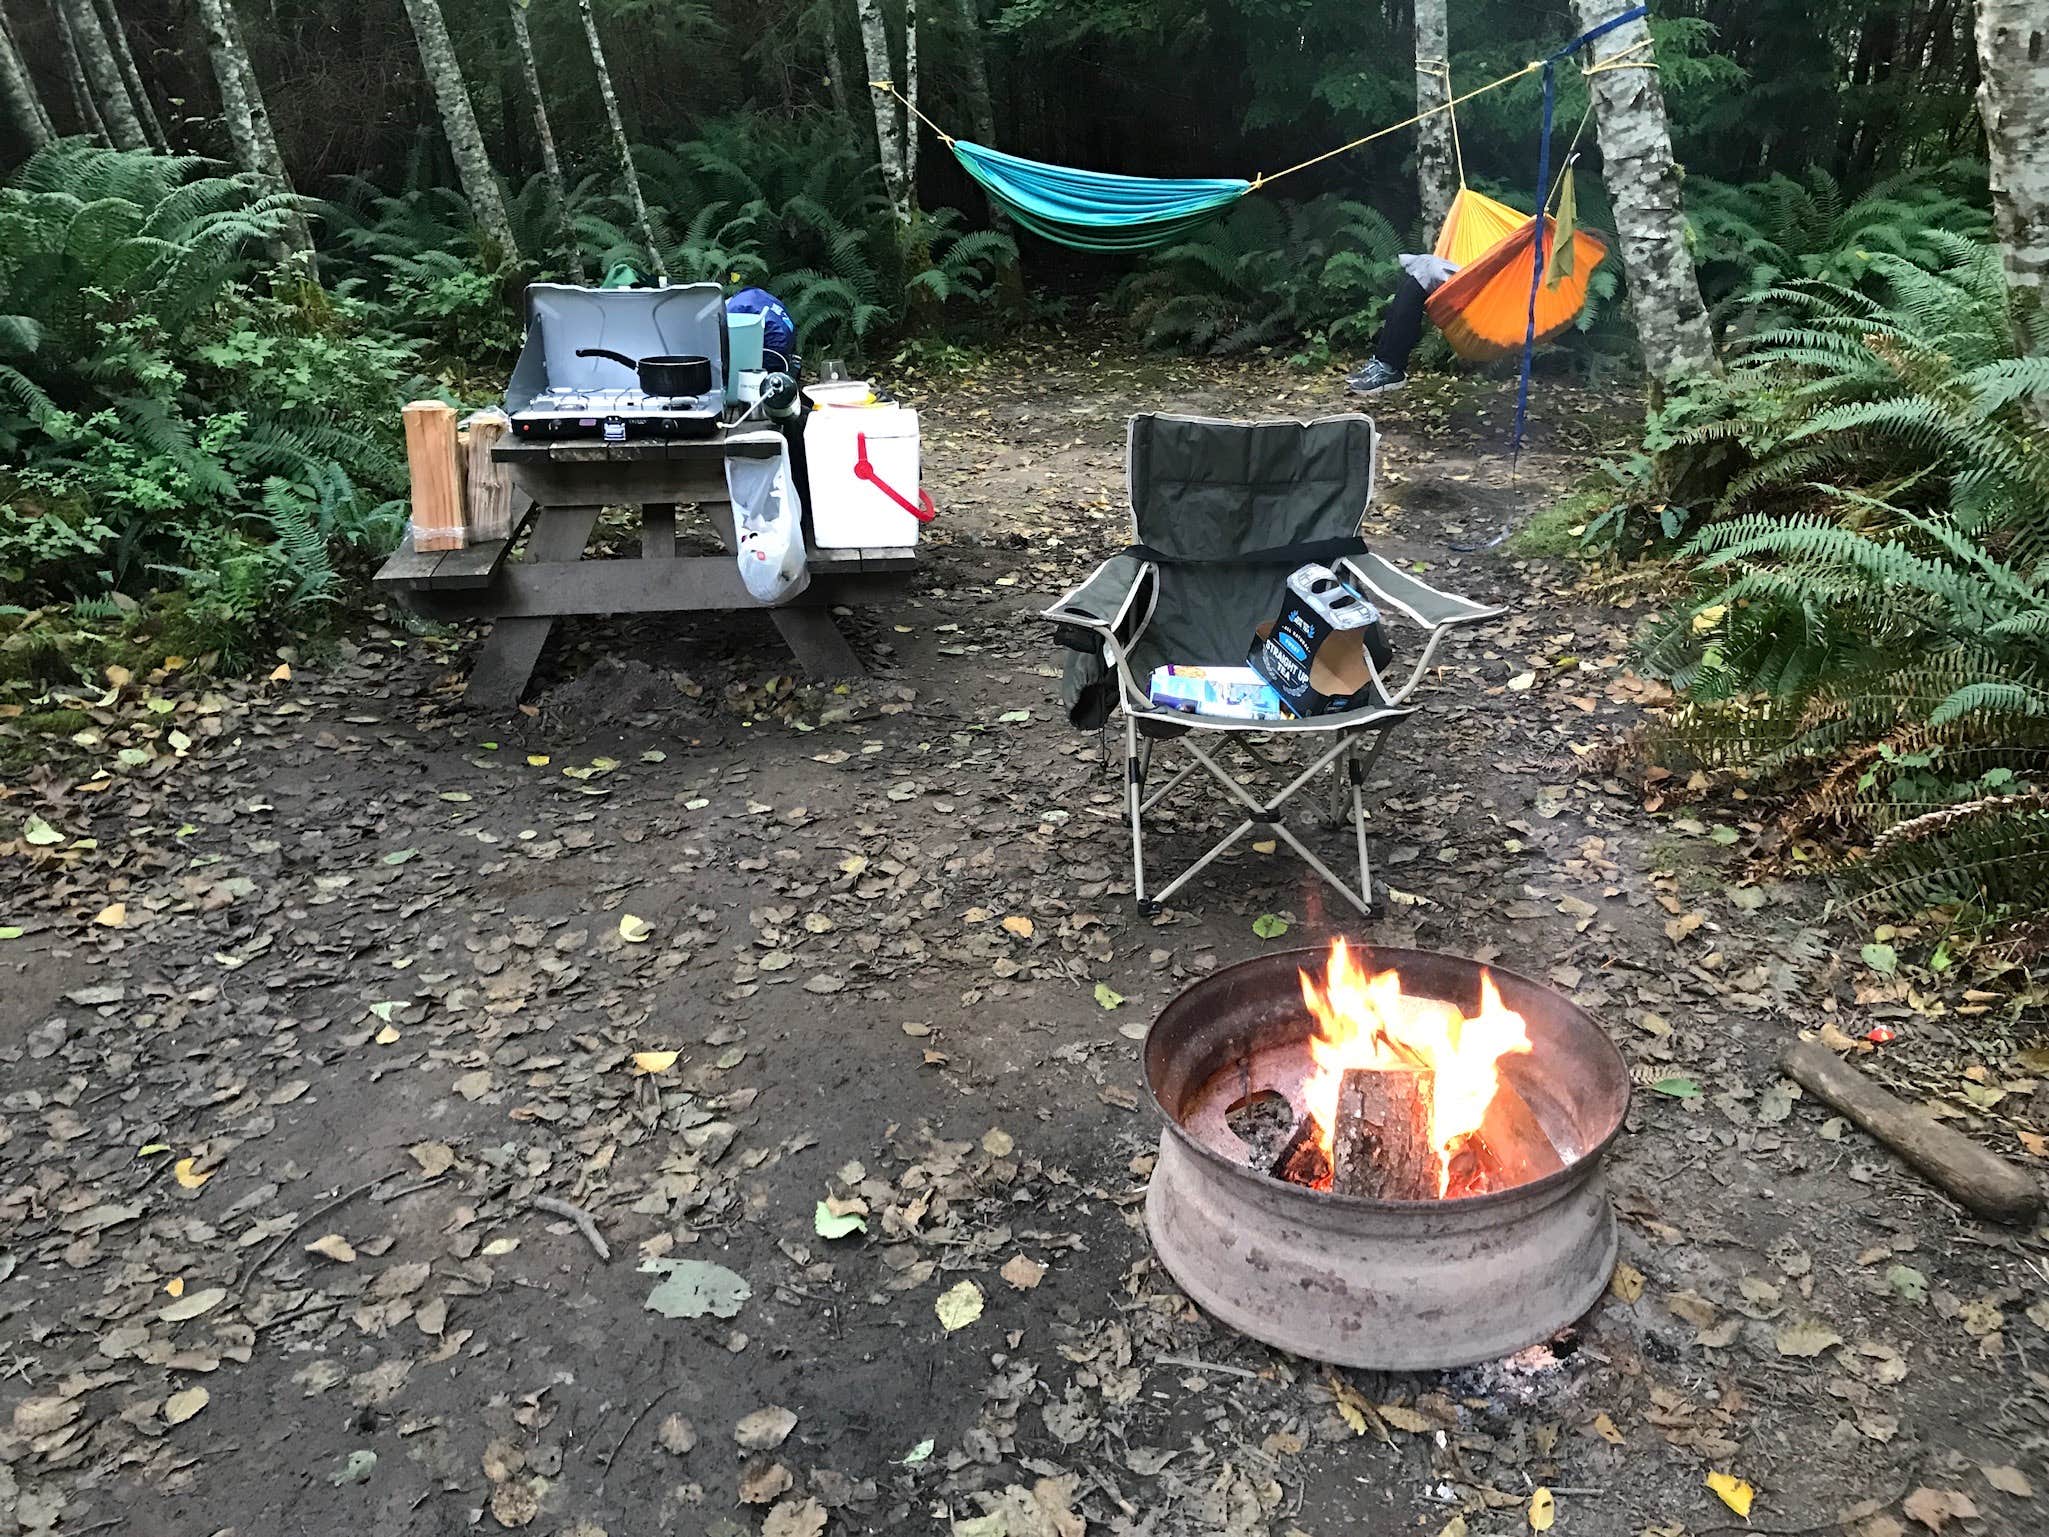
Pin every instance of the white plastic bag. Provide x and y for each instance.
(768, 525)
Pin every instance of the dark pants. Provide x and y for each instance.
(1402, 327)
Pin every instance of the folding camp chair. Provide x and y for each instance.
(1223, 512)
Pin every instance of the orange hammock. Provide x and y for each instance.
(1484, 308)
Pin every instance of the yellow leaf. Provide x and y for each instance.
(1605, 1429)
(498, 1246)
(1543, 1510)
(1522, 682)
(282, 673)
(180, 1407)
(655, 1061)
(183, 1172)
(1735, 1493)
(113, 916)
(1709, 617)
(1627, 1282)
(1402, 1417)
(387, 1036)
(175, 1287)
(959, 1306)
(1020, 926)
(118, 675)
(634, 930)
(537, 759)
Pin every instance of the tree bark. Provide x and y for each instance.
(24, 105)
(82, 105)
(551, 160)
(138, 93)
(2013, 99)
(1643, 183)
(619, 144)
(889, 138)
(1436, 160)
(103, 75)
(459, 122)
(911, 135)
(248, 119)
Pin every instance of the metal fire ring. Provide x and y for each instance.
(1392, 1285)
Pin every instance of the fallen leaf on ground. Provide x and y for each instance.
(2008, 1479)
(1934, 1508)
(515, 1504)
(193, 1305)
(1807, 1337)
(187, 1175)
(113, 916)
(1627, 1282)
(763, 1480)
(1604, 1427)
(335, 1247)
(827, 1223)
(676, 1435)
(633, 930)
(1022, 1272)
(1543, 1510)
(1734, 1492)
(180, 1407)
(1018, 925)
(1108, 996)
(765, 1429)
(695, 1287)
(795, 1518)
(959, 1306)
(998, 1143)
(655, 1061)
(1269, 926)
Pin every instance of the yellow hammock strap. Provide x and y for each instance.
(1530, 68)
(1622, 60)
(889, 86)
(1440, 69)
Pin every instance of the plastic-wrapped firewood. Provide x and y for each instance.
(435, 470)
(487, 483)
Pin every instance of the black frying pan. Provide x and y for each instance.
(678, 375)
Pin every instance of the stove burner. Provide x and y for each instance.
(616, 415)
(1393, 1284)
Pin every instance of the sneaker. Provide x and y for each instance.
(1374, 378)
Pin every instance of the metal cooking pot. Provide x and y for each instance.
(676, 375)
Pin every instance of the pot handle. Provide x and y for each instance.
(607, 352)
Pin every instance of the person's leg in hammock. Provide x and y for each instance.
(1401, 327)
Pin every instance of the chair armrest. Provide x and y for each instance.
(1103, 601)
(1416, 598)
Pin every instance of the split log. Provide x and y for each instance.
(1302, 1160)
(487, 483)
(435, 469)
(1382, 1146)
(1976, 1176)
(1510, 1147)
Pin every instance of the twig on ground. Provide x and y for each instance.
(311, 1217)
(1204, 1366)
(634, 1424)
(582, 1219)
(405, 1190)
(306, 1310)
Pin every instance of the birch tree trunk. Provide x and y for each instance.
(242, 106)
(911, 135)
(619, 144)
(103, 75)
(889, 139)
(551, 161)
(2013, 99)
(1643, 183)
(124, 56)
(83, 106)
(24, 105)
(1436, 173)
(459, 122)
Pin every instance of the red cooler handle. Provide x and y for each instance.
(922, 509)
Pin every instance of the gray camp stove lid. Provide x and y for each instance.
(688, 320)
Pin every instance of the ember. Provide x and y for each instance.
(1406, 1099)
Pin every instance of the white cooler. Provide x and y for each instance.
(847, 510)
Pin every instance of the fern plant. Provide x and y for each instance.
(1871, 595)
(1266, 273)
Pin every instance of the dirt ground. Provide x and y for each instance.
(317, 1025)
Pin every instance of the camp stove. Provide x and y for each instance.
(1384, 1158)
(556, 394)
(613, 416)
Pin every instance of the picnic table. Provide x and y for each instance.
(559, 489)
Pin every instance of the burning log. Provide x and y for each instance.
(1302, 1160)
(1381, 1148)
(1510, 1148)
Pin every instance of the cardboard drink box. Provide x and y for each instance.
(1315, 651)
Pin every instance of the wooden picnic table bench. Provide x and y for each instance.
(559, 489)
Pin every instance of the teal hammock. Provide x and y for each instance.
(1096, 210)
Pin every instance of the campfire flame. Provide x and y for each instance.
(1368, 1022)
